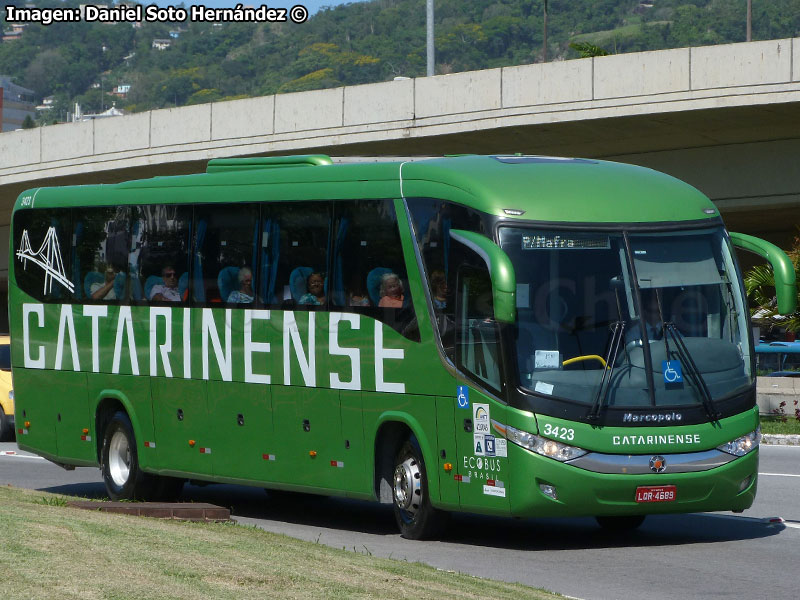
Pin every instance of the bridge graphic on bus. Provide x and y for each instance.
(48, 257)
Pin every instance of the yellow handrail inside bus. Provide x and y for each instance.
(569, 361)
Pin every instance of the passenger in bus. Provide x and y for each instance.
(391, 291)
(105, 290)
(168, 292)
(439, 290)
(315, 284)
(356, 296)
(245, 294)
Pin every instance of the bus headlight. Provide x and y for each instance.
(545, 447)
(743, 445)
(10, 394)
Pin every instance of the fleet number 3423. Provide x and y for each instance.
(561, 433)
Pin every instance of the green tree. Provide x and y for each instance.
(587, 50)
(759, 283)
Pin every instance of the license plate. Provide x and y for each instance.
(655, 493)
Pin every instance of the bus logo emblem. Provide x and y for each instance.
(658, 464)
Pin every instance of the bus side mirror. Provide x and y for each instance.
(501, 272)
(782, 267)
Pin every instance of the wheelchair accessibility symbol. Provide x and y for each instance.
(462, 396)
(672, 371)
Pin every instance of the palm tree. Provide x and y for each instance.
(759, 284)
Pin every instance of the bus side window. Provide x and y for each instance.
(100, 261)
(302, 229)
(433, 219)
(369, 271)
(43, 252)
(225, 254)
(477, 337)
(159, 253)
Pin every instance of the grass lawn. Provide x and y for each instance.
(49, 551)
(775, 425)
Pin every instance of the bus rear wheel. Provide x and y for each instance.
(627, 523)
(119, 463)
(6, 431)
(416, 517)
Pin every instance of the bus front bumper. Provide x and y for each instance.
(580, 492)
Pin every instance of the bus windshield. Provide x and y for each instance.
(597, 310)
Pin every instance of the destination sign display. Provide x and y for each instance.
(573, 241)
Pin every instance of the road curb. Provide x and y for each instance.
(775, 439)
(181, 511)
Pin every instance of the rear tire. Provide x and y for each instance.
(119, 463)
(627, 523)
(415, 515)
(6, 432)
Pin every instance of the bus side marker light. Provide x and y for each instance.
(268, 456)
(337, 463)
(27, 424)
(205, 450)
(312, 453)
(85, 431)
(192, 443)
(448, 467)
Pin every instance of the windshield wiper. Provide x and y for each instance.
(617, 336)
(694, 372)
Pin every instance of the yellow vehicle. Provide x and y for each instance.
(6, 391)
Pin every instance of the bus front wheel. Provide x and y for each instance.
(416, 517)
(120, 462)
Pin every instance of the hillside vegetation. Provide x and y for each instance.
(352, 44)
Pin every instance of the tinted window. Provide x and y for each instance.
(100, 261)
(478, 339)
(300, 254)
(159, 256)
(369, 273)
(433, 219)
(224, 259)
(43, 254)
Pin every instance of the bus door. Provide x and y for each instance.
(72, 415)
(182, 425)
(307, 415)
(308, 429)
(242, 439)
(483, 462)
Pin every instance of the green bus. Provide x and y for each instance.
(507, 335)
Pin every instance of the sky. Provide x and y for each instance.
(312, 5)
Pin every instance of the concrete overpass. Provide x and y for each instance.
(724, 118)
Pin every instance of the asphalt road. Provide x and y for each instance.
(719, 555)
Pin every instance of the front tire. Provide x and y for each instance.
(119, 463)
(415, 515)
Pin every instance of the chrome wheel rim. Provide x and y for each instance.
(119, 458)
(408, 486)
